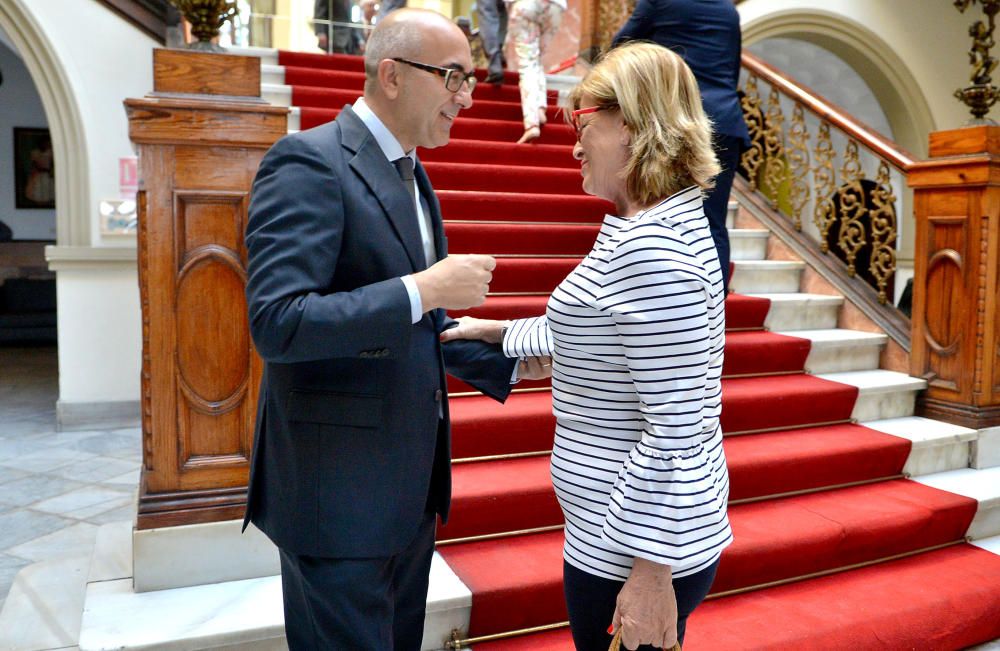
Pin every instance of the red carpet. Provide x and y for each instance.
(936, 601)
(811, 493)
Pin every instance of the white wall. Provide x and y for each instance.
(930, 36)
(104, 60)
(827, 74)
(20, 106)
(99, 340)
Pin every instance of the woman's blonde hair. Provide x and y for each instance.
(671, 138)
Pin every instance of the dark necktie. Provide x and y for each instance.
(404, 166)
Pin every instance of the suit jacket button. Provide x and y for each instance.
(437, 395)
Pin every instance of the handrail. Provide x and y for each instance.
(148, 15)
(838, 117)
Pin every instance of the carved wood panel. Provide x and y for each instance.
(956, 335)
(946, 280)
(200, 374)
(212, 350)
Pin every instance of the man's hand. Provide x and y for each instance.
(647, 607)
(322, 42)
(456, 283)
(469, 327)
(534, 368)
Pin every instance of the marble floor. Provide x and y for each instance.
(56, 488)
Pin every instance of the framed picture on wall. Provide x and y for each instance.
(34, 172)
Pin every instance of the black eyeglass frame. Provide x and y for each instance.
(448, 73)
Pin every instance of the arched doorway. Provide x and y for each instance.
(65, 123)
(895, 100)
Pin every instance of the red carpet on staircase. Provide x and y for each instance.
(833, 548)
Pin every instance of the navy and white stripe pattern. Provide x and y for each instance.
(636, 333)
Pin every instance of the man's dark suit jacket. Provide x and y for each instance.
(351, 448)
(706, 33)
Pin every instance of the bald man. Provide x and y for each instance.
(348, 280)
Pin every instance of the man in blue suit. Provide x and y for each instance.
(706, 33)
(348, 279)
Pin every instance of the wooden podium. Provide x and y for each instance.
(200, 136)
(956, 288)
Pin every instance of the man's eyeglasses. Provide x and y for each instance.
(453, 78)
(574, 117)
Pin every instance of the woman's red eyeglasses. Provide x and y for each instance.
(574, 117)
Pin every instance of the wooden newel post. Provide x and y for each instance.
(200, 136)
(956, 325)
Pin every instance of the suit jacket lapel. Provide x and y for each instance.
(383, 181)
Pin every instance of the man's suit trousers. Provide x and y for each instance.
(358, 604)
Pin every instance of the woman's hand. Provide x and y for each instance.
(469, 327)
(647, 607)
(534, 368)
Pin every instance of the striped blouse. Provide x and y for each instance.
(636, 333)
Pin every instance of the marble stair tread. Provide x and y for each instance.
(757, 276)
(877, 381)
(771, 265)
(936, 446)
(881, 394)
(748, 244)
(838, 337)
(276, 94)
(732, 208)
(116, 617)
(271, 73)
(924, 432)
(991, 544)
(986, 449)
(794, 311)
(112, 556)
(980, 485)
(267, 55)
(42, 609)
(244, 614)
(836, 349)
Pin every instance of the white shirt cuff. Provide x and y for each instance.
(416, 305)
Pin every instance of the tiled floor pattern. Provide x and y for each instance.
(56, 488)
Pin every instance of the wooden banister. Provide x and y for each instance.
(827, 110)
(148, 15)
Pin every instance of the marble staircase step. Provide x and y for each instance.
(245, 614)
(271, 74)
(42, 609)
(748, 244)
(835, 349)
(733, 209)
(881, 394)
(980, 485)
(986, 449)
(766, 276)
(797, 311)
(937, 446)
(276, 94)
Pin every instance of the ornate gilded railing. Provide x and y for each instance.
(836, 179)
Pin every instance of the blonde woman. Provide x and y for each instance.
(531, 25)
(635, 335)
